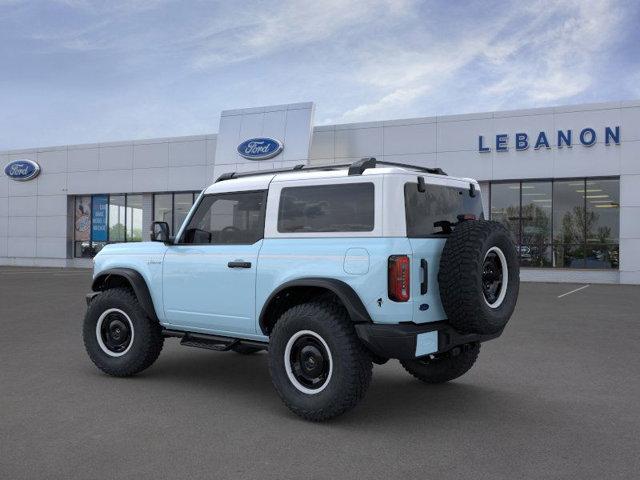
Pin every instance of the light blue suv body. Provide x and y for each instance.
(224, 286)
(193, 289)
(328, 268)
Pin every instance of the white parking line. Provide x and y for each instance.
(573, 291)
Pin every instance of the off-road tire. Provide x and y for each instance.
(147, 339)
(444, 367)
(351, 363)
(460, 277)
(246, 349)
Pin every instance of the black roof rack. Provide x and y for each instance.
(359, 166)
(356, 168)
(230, 175)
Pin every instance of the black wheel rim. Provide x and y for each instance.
(310, 362)
(492, 277)
(115, 332)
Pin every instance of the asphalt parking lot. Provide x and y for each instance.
(557, 396)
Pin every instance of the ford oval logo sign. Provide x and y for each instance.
(260, 148)
(22, 170)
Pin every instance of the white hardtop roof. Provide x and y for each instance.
(261, 181)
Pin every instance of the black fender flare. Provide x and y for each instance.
(136, 281)
(345, 293)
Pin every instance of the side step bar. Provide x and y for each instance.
(211, 342)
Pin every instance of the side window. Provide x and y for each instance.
(348, 207)
(227, 219)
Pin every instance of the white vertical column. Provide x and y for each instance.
(147, 215)
(630, 229)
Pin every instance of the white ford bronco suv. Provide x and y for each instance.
(330, 269)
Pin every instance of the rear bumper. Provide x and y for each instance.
(408, 341)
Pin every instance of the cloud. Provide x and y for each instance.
(541, 53)
(99, 8)
(407, 76)
(263, 31)
(398, 98)
(122, 69)
(555, 63)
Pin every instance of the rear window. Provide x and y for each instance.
(438, 203)
(347, 207)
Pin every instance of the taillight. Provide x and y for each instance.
(399, 278)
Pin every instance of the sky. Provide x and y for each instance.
(80, 71)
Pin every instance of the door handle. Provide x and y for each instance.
(239, 264)
(424, 284)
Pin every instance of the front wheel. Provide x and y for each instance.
(318, 365)
(118, 336)
(443, 367)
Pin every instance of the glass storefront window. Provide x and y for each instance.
(568, 212)
(134, 218)
(602, 256)
(564, 223)
(117, 218)
(535, 250)
(603, 223)
(103, 219)
(163, 208)
(82, 227)
(603, 211)
(568, 256)
(505, 207)
(173, 208)
(569, 219)
(182, 203)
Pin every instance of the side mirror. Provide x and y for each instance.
(160, 232)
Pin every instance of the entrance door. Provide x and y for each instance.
(209, 276)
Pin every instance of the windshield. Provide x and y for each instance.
(429, 212)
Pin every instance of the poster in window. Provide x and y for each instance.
(99, 208)
(83, 219)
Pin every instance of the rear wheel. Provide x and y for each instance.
(318, 365)
(118, 336)
(443, 367)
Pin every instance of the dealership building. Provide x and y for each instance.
(564, 180)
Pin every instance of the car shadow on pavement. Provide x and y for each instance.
(405, 402)
(394, 397)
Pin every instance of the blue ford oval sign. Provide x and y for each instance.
(22, 170)
(260, 148)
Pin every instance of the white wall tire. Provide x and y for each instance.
(131, 354)
(104, 344)
(325, 325)
(504, 280)
(289, 363)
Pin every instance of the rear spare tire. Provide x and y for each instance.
(479, 277)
